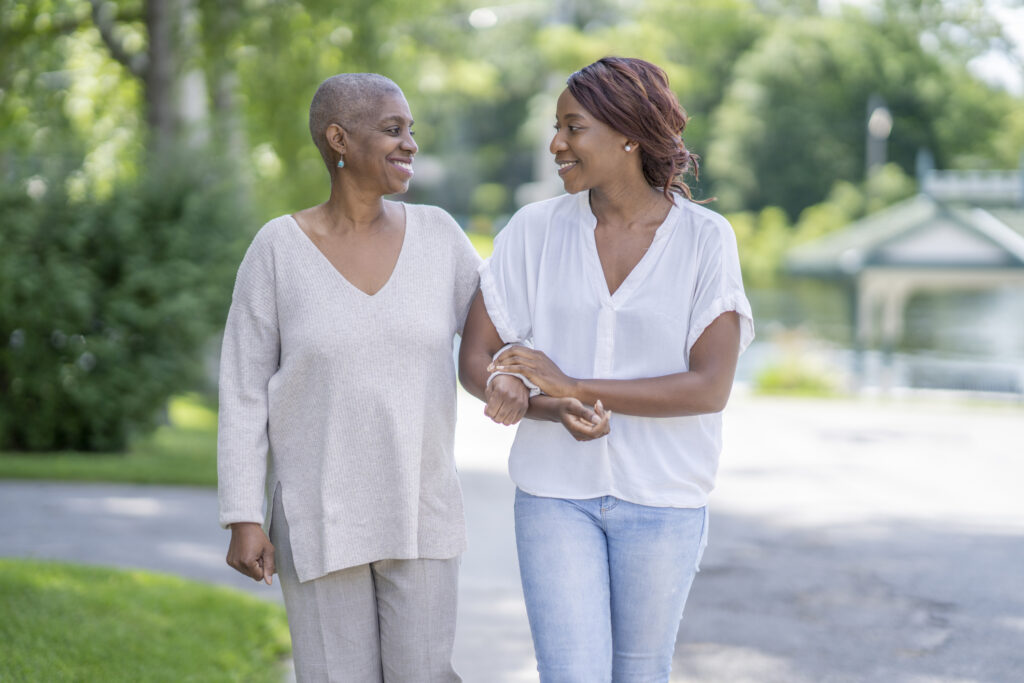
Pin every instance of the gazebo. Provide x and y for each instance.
(965, 230)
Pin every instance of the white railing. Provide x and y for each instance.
(981, 186)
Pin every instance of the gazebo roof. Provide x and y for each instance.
(918, 233)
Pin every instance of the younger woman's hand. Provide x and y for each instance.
(535, 366)
(583, 423)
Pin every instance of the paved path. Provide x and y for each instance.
(849, 542)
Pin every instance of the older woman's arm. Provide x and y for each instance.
(507, 397)
(704, 388)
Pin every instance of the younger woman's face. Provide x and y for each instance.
(588, 152)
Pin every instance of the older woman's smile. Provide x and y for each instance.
(564, 166)
(404, 164)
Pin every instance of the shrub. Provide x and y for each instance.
(796, 377)
(105, 304)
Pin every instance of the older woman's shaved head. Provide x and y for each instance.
(345, 99)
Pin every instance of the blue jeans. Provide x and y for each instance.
(605, 583)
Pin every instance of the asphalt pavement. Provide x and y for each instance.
(850, 541)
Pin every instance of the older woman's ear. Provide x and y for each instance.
(336, 138)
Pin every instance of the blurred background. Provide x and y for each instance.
(143, 143)
(868, 154)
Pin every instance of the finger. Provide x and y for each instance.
(269, 566)
(592, 429)
(583, 412)
(579, 424)
(518, 352)
(255, 569)
(511, 366)
(501, 411)
(493, 403)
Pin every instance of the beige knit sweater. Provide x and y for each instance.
(346, 400)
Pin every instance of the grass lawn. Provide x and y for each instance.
(67, 622)
(183, 452)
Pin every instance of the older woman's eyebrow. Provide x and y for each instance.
(396, 119)
(571, 115)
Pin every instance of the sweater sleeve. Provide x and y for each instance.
(467, 279)
(249, 358)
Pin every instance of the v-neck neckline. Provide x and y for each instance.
(322, 257)
(639, 272)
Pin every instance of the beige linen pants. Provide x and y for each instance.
(391, 621)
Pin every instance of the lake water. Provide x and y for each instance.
(971, 341)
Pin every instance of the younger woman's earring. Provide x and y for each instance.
(628, 148)
(341, 163)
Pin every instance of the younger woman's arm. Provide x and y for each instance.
(704, 388)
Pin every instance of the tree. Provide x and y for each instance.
(793, 118)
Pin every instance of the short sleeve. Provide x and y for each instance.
(719, 286)
(506, 285)
(249, 358)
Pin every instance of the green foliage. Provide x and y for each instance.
(66, 622)
(183, 452)
(107, 303)
(792, 377)
(799, 371)
(792, 121)
(764, 237)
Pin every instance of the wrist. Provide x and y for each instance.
(572, 388)
(545, 408)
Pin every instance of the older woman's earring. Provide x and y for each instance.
(628, 148)
(341, 163)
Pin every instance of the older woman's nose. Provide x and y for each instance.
(409, 143)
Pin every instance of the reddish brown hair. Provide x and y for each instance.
(632, 96)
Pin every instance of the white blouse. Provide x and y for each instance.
(544, 285)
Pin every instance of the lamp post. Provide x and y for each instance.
(879, 126)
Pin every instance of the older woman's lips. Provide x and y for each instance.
(405, 166)
(565, 166)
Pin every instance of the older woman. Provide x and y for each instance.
(632, 298)
(337, 402)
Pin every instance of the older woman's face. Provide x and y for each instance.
(381, 148)
(589, 153)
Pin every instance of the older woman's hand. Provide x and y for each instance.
(535, 366)
(507, 399)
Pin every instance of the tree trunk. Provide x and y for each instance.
(160, 75)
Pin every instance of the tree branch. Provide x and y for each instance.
(135, 63)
